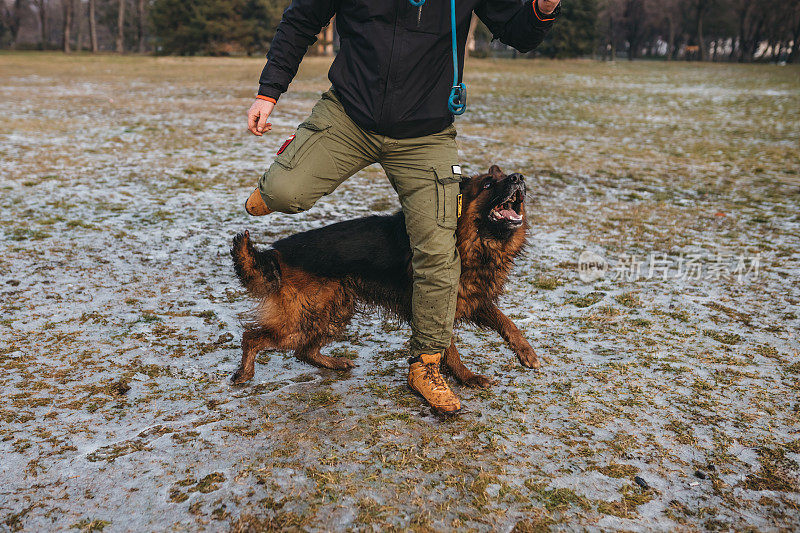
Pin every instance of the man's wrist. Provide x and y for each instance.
(268, 91)
(266, 98)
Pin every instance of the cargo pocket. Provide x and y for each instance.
(447, 192)
(302, 142)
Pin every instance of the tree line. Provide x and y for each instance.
(216, 27)
(69, 25)
(704, 30)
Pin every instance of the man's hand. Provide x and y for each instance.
(547, 6)
(257, 117)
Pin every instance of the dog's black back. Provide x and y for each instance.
(371, 248)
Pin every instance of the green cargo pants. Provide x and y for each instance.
(329, 147)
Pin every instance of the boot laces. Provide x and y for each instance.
(433, 375)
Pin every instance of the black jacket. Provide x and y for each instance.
(394, 69)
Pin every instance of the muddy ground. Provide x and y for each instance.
(669, 395)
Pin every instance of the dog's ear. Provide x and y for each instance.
(465, 181)
(495, 172)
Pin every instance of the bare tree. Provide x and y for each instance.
(12, 17)
(794, 52)
(670, 12)
(41, 11)
(93, 26)
(68, 7)
(700, 9)
(121, 27)
(611, 23)
(79, 26)
(635, 20)
(751, 23)
(142, 13)
(782, 29)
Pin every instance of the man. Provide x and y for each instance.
(388, 104)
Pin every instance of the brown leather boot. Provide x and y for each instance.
(255, 205)
(424, 378)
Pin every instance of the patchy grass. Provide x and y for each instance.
(120, 316)
(587, 300)
(547, 283)
(724, 337)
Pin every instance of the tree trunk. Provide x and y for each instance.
(794, 53)
(700, 40)
(612, 45)
(742, 35)
(79, 27)
(41, 6)
(671, 39)
(142, 26)
(756, 40)
(68, 8)
(783, 45)
(121, 27)
(93, 26)
(15, 22)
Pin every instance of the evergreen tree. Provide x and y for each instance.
(574, 33)
(266, 15)
(217, 27)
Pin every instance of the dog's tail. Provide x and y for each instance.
(258, 270)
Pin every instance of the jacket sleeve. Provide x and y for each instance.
(298, 30)
(520, 26)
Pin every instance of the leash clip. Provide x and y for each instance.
(458, 99)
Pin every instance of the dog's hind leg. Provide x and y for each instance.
(453, 362)
(253, 341)
(310, 354)
(492, 317)
(333, 316)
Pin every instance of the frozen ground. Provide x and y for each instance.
(122, 182)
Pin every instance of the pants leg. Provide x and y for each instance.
(422, 172)
(327, 148)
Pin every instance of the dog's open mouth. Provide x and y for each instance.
(509, 210)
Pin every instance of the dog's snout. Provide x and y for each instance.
(516, 177)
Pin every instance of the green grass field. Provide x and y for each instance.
(121, 185)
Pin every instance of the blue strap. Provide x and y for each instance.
(457, 102)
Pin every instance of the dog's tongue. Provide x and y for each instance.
(508, 213)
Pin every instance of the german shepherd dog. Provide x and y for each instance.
(310, 284)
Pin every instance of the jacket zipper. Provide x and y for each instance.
(391, 58)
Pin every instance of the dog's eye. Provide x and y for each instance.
(487, 184)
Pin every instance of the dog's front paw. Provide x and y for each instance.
(478, 381)
(529, 358)
(340, 363)
(242, 376)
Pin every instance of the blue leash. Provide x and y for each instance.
(457, 102)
